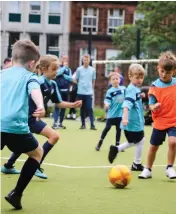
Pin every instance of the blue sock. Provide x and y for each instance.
(46, 148)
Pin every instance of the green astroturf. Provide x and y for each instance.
(87, 190)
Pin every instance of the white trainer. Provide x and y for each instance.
(171, 173)
(145, 174)
(74, 116)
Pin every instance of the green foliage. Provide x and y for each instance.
(157, 30)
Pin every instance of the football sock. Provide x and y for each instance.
(168, 166)
(124, 146)
(138, 152)
(46, 148)
(27, 172)
(12, 160)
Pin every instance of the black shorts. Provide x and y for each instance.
(19, 143)
(113, 121)
(134, 137)
(159, 136)
(36, 126)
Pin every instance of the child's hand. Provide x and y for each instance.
(38, 113)
(125, 122)
(78, 104)
(156, 106)
(106, 106)
(143, 95)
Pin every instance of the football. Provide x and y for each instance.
(120, 176)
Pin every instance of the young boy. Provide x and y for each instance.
(162, 102)
(113, 104)
(48, 65)
(133, 119)
(17, 83)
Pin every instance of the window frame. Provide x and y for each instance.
(89, 16)
(116, 18)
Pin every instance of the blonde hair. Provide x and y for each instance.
(136, 70)
(24, 51)
(46, 60)
(167, 61)
(113, 74)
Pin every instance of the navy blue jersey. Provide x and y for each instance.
(49, 91)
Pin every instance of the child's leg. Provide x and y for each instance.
(56, 114)
(172, 150)
(118, 131)
(151, 156)
(138, 152)
(103, 135)
(8, 167)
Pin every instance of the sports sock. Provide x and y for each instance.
(138, 152)
(27, 172)
(12, 160)
(168, 166)
(124, 146)
(46, 148)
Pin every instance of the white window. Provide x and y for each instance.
(137, 16)
(14, 7)
(34, 7)
(111, 54)
(89, 20)
(85, 51)
(54, 7)
(115, 19)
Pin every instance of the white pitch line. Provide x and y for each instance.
(77, 167)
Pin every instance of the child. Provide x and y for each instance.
(17, 82)
(162, 102)
(63, 80)
(113, 104)
(133, 119)
(49, 66)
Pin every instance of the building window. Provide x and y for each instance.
(137, 16)
(13, 37)
(111, 54)
(115, 19)
(85, 51)
(54, 12)
(53, 44)
(34, 12)
(35, 38)
(14, 11)
(89, 20)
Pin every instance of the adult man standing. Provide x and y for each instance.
(85, 78)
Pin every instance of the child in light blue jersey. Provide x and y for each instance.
(17, 83)
(113, 104)
(133, 119)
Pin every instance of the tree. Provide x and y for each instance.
(157, 30)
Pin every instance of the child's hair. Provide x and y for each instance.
(24, 51)
(112, 74)
(7, 60)
(46, 60)
(167, 61)
(136, 70)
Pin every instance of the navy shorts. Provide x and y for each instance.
(134, 137)
(114, 121)
(36, 126)
(19, 143)
(159, 136)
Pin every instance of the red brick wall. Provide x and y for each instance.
(76, 44)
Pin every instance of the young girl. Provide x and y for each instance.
(48, 65)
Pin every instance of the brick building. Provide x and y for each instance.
(102, 18)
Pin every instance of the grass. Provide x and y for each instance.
(87, 190)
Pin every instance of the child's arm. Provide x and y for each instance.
(153, 103)
(106, 106)
(125, 116)
(64, 104)
(61, 71)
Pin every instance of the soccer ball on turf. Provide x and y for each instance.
(120, 176)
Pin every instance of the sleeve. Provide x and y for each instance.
(130, 98)
(77, 74)
(60, 71)
(56, 97)
(152, 99)
(108, 98)
(94, 75)
(69, 77)
(33, 83)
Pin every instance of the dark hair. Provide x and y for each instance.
(167, 61)
(24, 51)
(7, 60)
